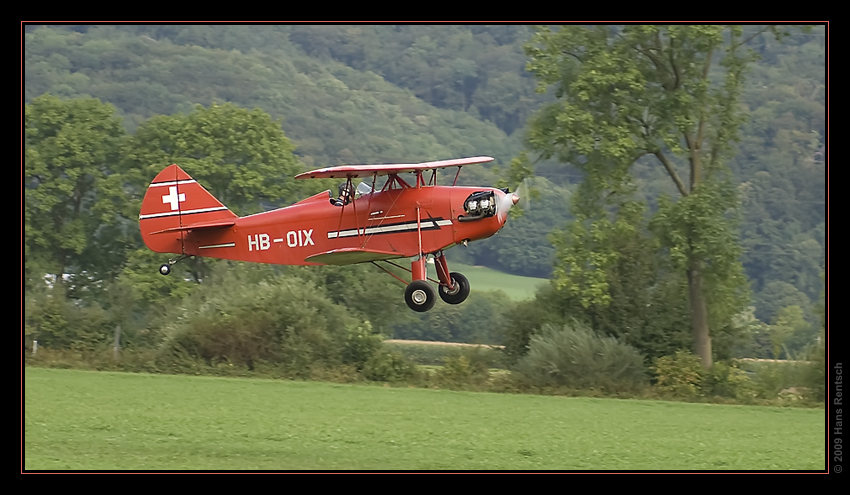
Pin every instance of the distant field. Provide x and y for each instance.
(77, 420)
(432, 342)
(482, 278)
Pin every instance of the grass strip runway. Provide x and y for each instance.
(78, 420)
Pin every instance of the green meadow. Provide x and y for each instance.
(481, 278)
(79, 420)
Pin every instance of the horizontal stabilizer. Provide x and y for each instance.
(348, 256)
(216, 224)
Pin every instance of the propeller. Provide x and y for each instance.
(504, 205)
(521, 197)
(523, 190)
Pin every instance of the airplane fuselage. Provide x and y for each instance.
(387, 221)
(180, 216)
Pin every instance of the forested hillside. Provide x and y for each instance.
(345, 94)
(334, 113)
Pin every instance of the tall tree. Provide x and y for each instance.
(668, 94)
(72, 219)
(242, 156)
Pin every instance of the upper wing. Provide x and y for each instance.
(395, 168)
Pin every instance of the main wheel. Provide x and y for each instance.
(460, 292)
(420, 296)
(164, 269)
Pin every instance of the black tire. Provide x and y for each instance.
(460, 293)
(164, 270)
(420, 296)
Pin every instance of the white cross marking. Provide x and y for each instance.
(173, 198)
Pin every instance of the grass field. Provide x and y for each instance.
(482, 278)
(78, 420)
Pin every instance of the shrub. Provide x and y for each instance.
(814, 374)
(525, 319)
(58, 322)
(419, 353)
(437, 353)
(728, 380)
(576, 357)
(359, 343)
(388, 366)
(680, 374)
(790, 380)
(479, 357)
(476, 321)
(463, 371)
(286, 322)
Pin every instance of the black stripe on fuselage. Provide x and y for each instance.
(391, 228)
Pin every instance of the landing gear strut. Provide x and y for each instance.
(454, 287)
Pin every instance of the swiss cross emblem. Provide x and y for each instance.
(173, 198)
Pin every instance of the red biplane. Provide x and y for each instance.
(403, 219)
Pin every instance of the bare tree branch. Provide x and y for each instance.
(672, 171)
(572, 55)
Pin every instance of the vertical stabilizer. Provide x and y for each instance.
(173, 200)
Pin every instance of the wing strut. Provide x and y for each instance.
(419, 229)
(369, 208)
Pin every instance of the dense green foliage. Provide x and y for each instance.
(476, 322)
(574, 356)
(680, 375)
(73, 219)
(635, 97)
(335, 114)
(438, 353)
(285, 322)
(625, 93)
(241, 156)
(477, 69)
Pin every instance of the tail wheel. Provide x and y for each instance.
(420, 296)
(165, 269)
(460, 291)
